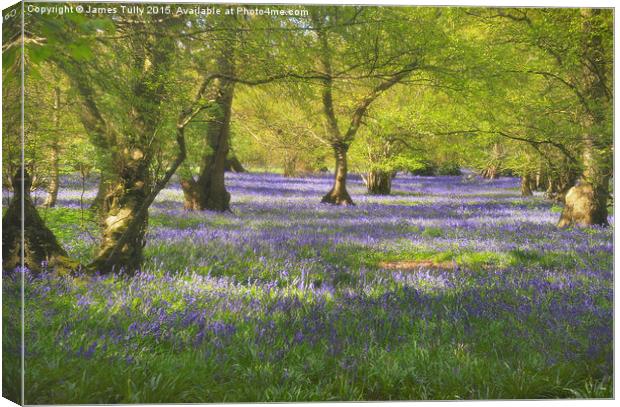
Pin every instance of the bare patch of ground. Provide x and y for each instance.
(416, 264)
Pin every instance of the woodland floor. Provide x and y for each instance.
(448, 289)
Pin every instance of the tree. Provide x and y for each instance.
(568, 95)
(12, 98)
(586, 203)
(56, 140)
(374, 49)
(208, 191)
(126, 109)
(244, 50)
(392, 139)
(37, 243)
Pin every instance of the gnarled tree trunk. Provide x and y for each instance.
(39, 243)
(338, 195)
(130, 146)
(120, 206)
(209, 192)
(379, 182)
(586, 204)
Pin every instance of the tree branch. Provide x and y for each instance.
(359, 112)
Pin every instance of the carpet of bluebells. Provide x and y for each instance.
(450, 288)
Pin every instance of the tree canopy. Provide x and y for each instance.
(144, 100)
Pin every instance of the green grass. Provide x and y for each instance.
(67, 223)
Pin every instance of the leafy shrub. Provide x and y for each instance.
(425, 169)
(449, 168)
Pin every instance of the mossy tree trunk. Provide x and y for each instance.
(120, 215)
(128, 155)
(132, 147)
(585, 204)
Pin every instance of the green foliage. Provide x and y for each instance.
(448, 168)
(479, 80)
(277, 133)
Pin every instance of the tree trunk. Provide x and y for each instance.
(493, 168)
(489, 172)
(191, 194)
(526, 185)
(379, 182)
(338, 195)
(233, 164)
(130, 146)
(39, 243)
(102, 191)
(52, 189)
(290, 166)
(120, 207)
(586, 203)
(540, 179)
(211, 191)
